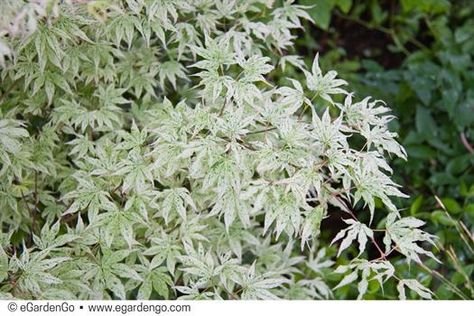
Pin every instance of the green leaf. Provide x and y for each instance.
(452, 205)
(344, 5)
(321, 12)
(440, 217)
(425, 123)
(428, 6)
(415, 206)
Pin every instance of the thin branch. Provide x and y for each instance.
(261, 131)
(383, 256)
(466, 143)
(448, 283)
(31, 212)
(36, 192)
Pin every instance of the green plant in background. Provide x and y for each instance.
(418, 56)
(162, 149)
(437, 132)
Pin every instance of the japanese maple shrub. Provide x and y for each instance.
(159, 149)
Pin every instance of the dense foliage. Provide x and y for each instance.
(183, 149)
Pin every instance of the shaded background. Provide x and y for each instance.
(417, 55)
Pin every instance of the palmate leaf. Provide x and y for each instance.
(355, 230)
(88, 196)
(171, 70)
(379, 270)
(11, 132)
(230, 205)
(157, 280)
(258, 286)
(415, 286)
(35, 270)
(164, 248)
(49, 239)
(173, 203)
(320, 262)
(254, 68)
(137, 172)
(406, 234)
(283, 209)
(106, 273)
(117, 225)
(215, 54)
(323, 85)
(79, 117)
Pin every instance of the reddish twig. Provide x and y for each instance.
(466, 143)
